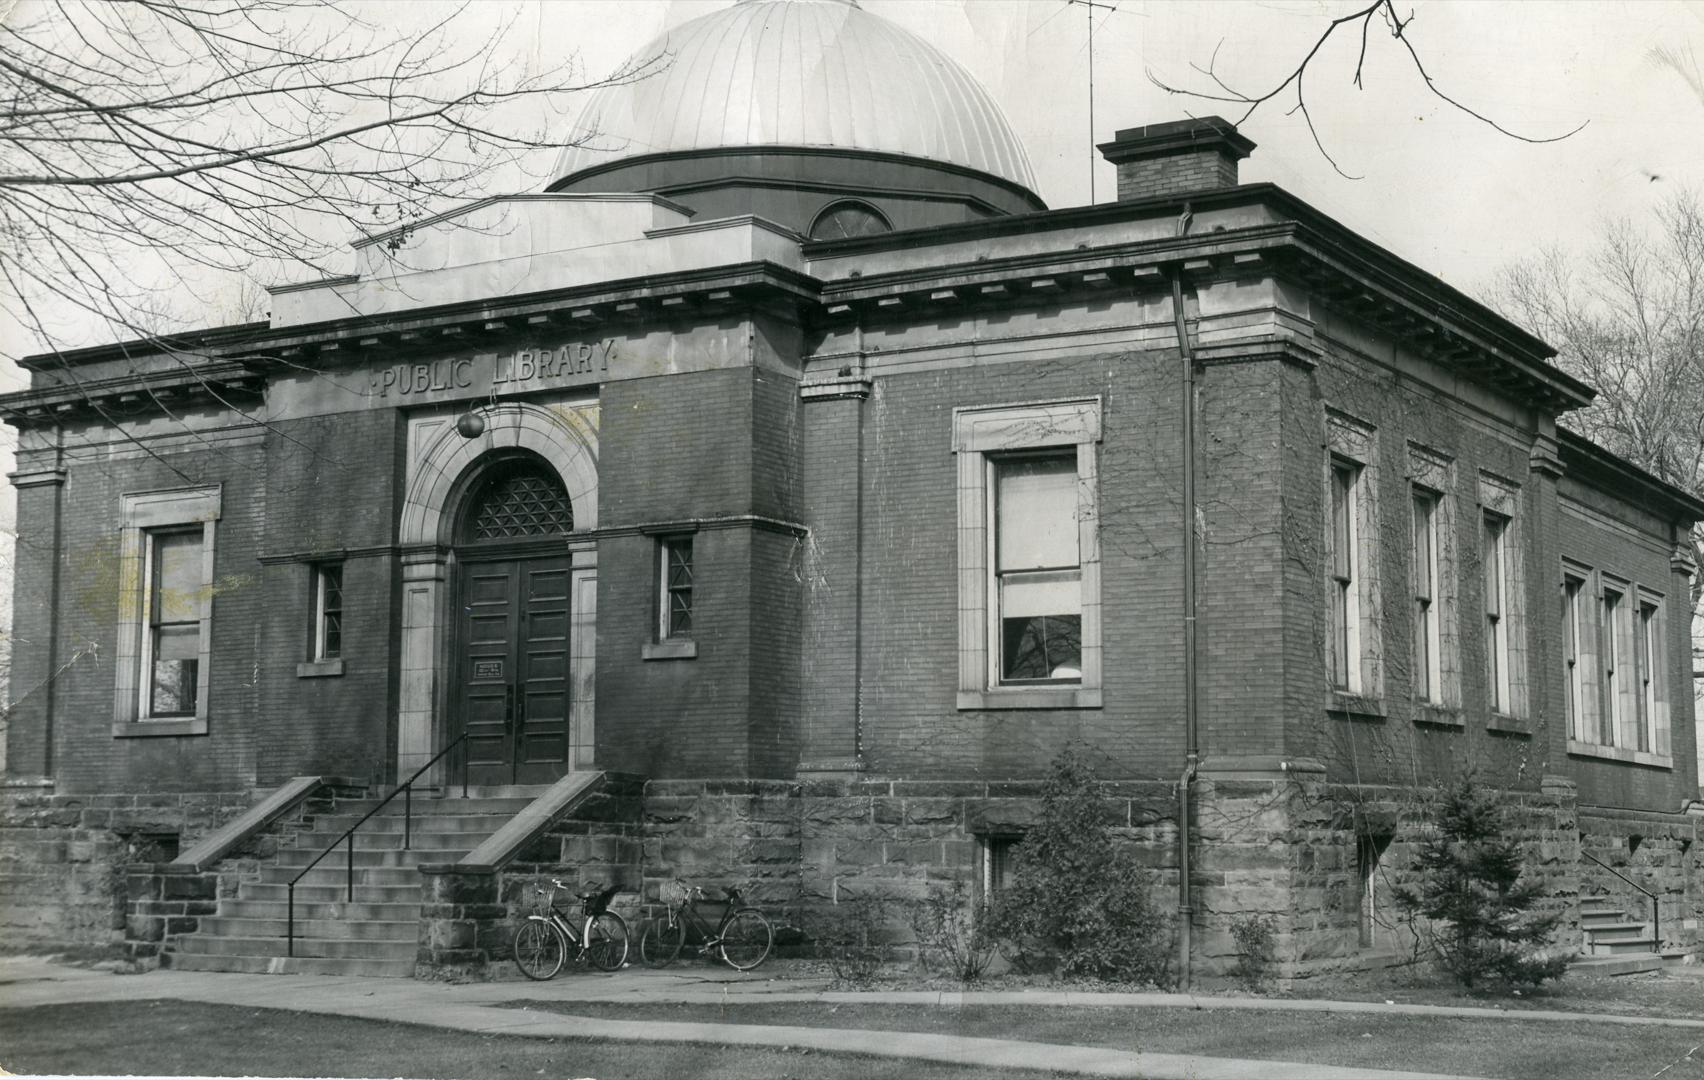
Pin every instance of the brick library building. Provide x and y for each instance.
(774, 496)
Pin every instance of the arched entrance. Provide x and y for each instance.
(512, 658)
(510, 473)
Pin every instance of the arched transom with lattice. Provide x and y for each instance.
(523, 499)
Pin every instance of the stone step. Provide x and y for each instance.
(315, 889)
(244, 908)
(473, 822)
(289, 965)
(310, 844)
(366, 857)
(336, 948)
(341, 929)
(1620, 945)
(453, 804)
(1604, 915)
(1612, 928)
(1630, 964)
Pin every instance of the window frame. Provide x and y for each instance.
(1426, 589)
(1619, 673)
(982, 434)
(1431, 474)
(323, 575)
(1343, 619)
(1579, 640)
(145, 516)
(1353, 444)
(1508, 696)
(666, 642)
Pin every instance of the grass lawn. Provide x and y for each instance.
(179, 1038)
(1540, 1049)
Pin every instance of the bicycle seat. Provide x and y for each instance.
(712, 894)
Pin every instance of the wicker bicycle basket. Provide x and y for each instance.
(674, 893)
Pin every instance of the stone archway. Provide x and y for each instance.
(440, 464)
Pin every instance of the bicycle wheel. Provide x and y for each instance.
(606, 942)
(746, 939)
(539, 949)
(661, 942)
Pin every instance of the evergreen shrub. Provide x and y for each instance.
(1470, 886)
(1075, 900)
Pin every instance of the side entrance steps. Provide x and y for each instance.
(1616, 944)
(377, 933)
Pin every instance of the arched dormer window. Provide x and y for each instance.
(848, 218)
(518, 498)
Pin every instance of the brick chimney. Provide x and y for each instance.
(1176, 158)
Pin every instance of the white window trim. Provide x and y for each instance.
(140, 514)
(1434, 473)
(1353, 442)
(1503, 498)
(992, 429)
(320, 665)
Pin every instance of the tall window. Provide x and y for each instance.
(1342, 650)
(328, 611)
(165, 612)
(172, 612)
(1028, 555)
(1037, 567)
(1494, 561)
(1620, 670)
(1653, 673)
(1428, 677)
(674, 601)
(1576, 657)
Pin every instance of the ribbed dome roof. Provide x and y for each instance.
(797, 73)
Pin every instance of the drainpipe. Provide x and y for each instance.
(1185, 911)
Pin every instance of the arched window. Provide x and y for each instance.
(516, 499)
(846, 219)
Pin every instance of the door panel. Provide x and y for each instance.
(542, 680)
(512, 700)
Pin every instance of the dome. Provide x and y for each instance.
(797, 73)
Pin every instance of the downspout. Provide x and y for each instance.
(1185, 910)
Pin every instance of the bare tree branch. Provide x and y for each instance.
(1293, 82)
(152, 148)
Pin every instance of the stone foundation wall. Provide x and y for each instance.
(1659, 853)
(63, 857)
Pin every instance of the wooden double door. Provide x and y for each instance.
(521, 648)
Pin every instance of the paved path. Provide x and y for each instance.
(477, 1007)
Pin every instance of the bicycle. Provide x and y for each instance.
(742, 938)
(541, 944)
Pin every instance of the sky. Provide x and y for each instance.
(1438, 187)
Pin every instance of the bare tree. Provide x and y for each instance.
(153, 150)
(1628, 318)
(1292, 88)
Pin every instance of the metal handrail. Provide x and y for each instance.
(1656, 904)
(348, 838)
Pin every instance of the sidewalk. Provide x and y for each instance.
(477, 1007)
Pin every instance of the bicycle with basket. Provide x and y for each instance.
(742, 937)
(598, 935)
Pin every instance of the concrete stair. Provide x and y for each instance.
(375, 933)
(1618, 945)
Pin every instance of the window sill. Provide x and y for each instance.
(1513, 725)
(319, 669)
(134, 729)
(669, 650)
(1034, 698)
(1354, 705)
(1426, 712)
(1617, 753)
